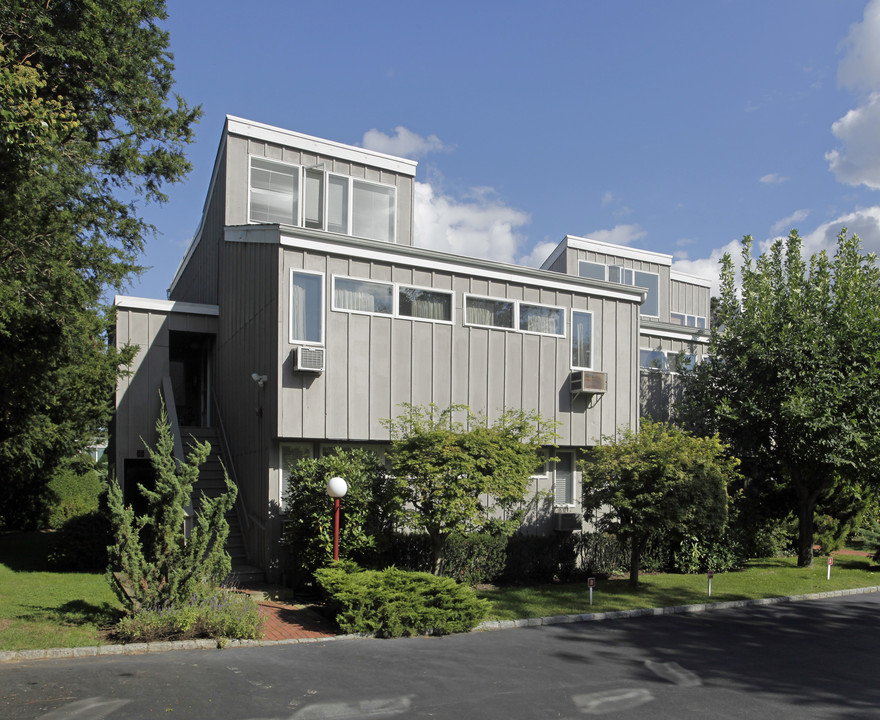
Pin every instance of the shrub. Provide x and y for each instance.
(81, 543)
(395, 603)
(695, 554)
(76, 487)
(601, 553)
(367, 509)
(545, 558)
(218, 614)
(474, 559)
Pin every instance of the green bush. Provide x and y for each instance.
(474, 559)
(76, 487)
(540, 558)
(601, 554)
(219, 614)
(695, 555)
(81, 543)
(396, 603)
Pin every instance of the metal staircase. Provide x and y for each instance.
(211, 484)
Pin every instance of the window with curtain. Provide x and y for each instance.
(581, 340)
(372, 211)
(424, 304)
(362, 296)
(486, 311)
(541, 319)
(274, 192)
(306, 307)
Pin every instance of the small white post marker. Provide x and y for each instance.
(591, 583)
(830, 563)
(710, 575)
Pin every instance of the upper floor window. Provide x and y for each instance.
(541, 319)
(593, 270)
(653, 360)
(424, 304)
(486, 311)
(306, 307)
(364, 296)
(280, 193)
(639, 278)
(678, 361)
(581, 340)
(696, 321)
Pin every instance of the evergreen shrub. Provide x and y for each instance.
(474, 559)
(397, 603)
(540, 558)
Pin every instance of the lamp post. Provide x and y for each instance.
(336, 488)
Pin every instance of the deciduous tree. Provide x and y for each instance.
(658, 480)
(794, 381)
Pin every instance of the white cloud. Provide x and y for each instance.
(787, 223)
(618, 235)
(858, 162)
(480, 225)
(773, 179)
(540, 252)
(709, 267)
(404, 143)
(860, 68)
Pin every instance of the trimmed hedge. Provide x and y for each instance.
(397, 603)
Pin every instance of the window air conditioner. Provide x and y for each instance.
(308, 359)
(566, 521)
(589, 382)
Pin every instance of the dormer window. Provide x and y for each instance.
(336, 203)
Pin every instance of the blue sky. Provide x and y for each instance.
(676, 127)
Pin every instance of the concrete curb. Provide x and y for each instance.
(675, 610)
(155, 647)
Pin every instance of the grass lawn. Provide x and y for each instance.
(761, 578)
(43, 608)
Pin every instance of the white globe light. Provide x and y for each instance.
(337, 487)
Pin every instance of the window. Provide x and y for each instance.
(593, 270)
(581, 340)
(541, 319)
(424, 304)
(363, 296)
(564, 479)
(313, 198)
(486, 311)
(306, 307)
(678, 361)
(652, 360)
(372, 211)
(696, 321)
(626, 276)
(274, 192)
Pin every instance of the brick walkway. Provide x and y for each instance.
(293, 622)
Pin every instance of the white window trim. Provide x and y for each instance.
(451, 293)
(351, 182)
(513, 317)
(299, 185)
(593, 262)
(392, 285)
(291, 339)
(592, 339)
(540, 305)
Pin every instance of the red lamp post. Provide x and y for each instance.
(336, 488)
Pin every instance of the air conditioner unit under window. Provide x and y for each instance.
(566, 521)
(308, 359)
(589, 382)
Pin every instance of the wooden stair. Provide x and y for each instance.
(211, 484)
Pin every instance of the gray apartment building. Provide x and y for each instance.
(304, 313)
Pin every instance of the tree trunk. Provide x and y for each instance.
(806, 510)
(635, 561)
(437, 542)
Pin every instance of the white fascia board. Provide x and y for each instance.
(166, 306)
(319, 146)
(587, 244)
(690, 279)
(698, 335)
(424, 259)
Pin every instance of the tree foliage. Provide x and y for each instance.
(658, 480)
(89, 130)
(162, 564)
(366, 514)
(794, 381)
(465, 475)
